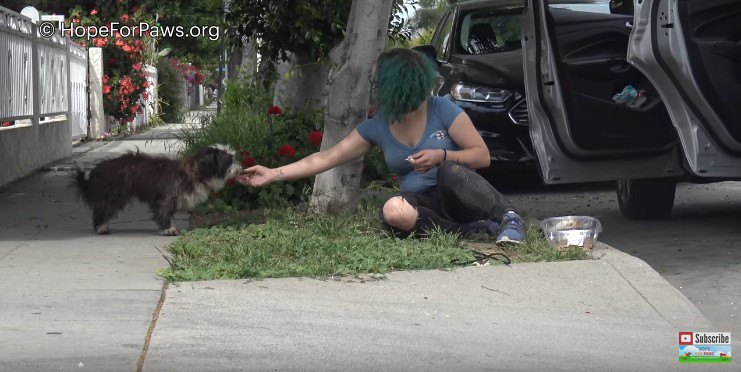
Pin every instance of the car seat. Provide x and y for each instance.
(482, 39)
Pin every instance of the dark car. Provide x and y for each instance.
(478, 47)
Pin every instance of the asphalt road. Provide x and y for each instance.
(697, 249)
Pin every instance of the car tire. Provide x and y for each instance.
(646, 198)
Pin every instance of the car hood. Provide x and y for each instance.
(496, 69)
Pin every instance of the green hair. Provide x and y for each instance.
(403, 80)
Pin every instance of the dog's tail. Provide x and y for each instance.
(81, 182)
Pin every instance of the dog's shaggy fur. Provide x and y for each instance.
(165, 184)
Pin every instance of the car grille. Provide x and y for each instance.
(518, 114)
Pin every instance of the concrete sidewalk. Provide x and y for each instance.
(615, 313)
(70, 298)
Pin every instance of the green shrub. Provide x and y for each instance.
(172, 107)
(261, 138)
(245, 124)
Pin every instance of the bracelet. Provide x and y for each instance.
(445, 155)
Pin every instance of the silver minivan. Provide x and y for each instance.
(647, 100)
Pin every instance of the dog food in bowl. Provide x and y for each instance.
(571, 231)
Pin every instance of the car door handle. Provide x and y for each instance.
(629, 25)
(728, 49)
(620, 69)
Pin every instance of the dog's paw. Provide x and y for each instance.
(169, 232)
(103, 230)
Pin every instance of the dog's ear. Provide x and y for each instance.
(207, 162)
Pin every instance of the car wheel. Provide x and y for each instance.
(646, 198)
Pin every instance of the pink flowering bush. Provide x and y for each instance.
(124, 80)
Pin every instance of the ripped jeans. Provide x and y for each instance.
(461, 196)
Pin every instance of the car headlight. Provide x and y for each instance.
(471, 93)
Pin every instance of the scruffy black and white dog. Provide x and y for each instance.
(165, 184)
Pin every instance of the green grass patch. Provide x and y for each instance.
(704, 360)
(292, 242)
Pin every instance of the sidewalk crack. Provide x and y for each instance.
(640, 293)
(150, 330)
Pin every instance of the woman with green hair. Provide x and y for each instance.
(431, 145)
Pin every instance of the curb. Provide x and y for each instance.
(663, 297)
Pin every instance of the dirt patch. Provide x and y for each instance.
(201, 220)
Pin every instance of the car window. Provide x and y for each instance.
(600, 7)
(440, 41)
(485, 31)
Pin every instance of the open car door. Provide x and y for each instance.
(574, 63)
(691, 51)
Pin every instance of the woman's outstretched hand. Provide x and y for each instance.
(426, 159)
(257, 176)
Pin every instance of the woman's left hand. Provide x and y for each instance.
(426, 160)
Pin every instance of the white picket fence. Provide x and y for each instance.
(149, 106)
(34, 71)
(48, 80)
(78, 76)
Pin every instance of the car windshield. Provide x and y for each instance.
(489, 31)
(486, 31)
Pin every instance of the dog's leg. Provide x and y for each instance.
(163, 214)
(105, 210)
(102, 213)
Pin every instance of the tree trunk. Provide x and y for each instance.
(301, 82)
(283, 88)
(352, 60)
(248, 69)
(233, 62)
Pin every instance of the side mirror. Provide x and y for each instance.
(428, 50)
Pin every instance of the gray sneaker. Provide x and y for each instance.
(512, 230)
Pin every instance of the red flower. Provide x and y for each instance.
(94, 12)
(248, 162)
(394, 179)
(287, 150)
(124, 18)
(106, 88)
(145, 84)
(137, 66)
(315, 137)
(275, 110)
(145, 96)
(6, 124)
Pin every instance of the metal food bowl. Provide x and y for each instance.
(571, 231)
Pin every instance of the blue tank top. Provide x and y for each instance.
(441, 114)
